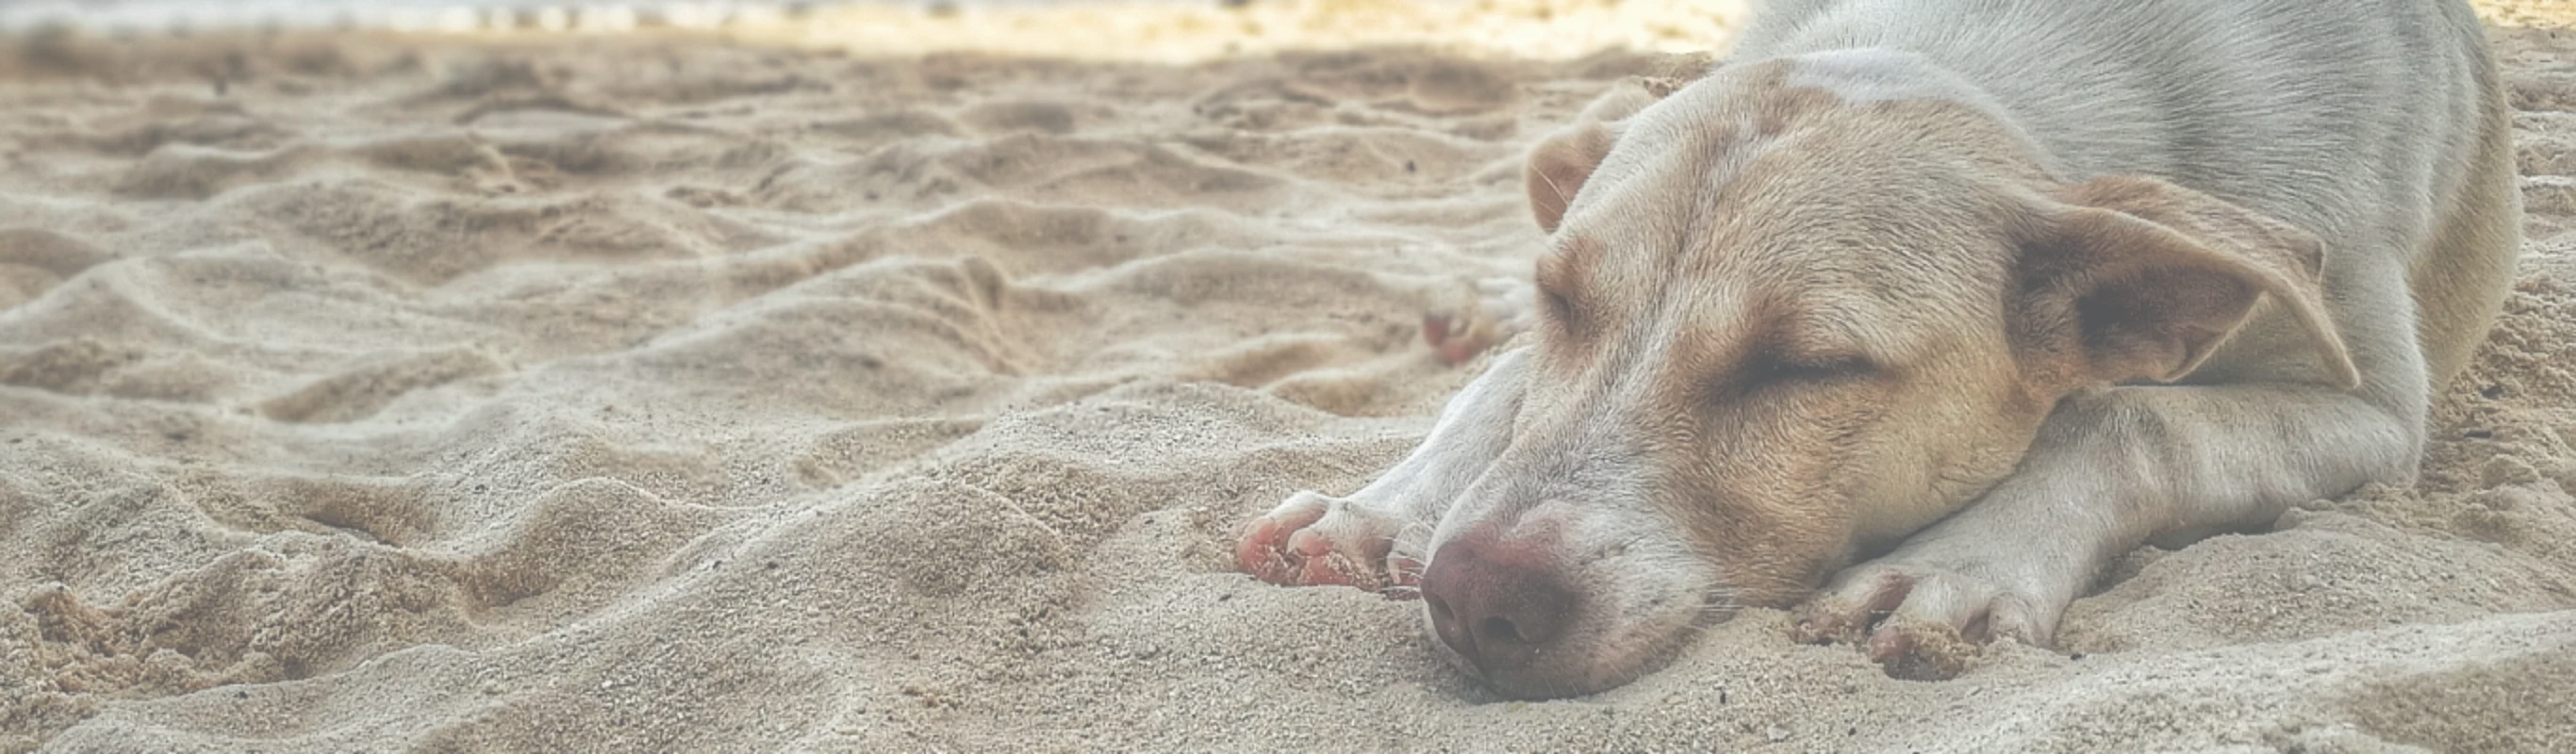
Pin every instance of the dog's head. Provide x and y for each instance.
(1784, 325)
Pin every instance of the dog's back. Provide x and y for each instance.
(2376, 124)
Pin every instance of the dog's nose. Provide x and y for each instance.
(1495, 605)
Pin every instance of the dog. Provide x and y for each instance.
(1919, 312)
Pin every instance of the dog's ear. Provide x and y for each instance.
(1560, 163)
(2143, 279)
(1559, 166)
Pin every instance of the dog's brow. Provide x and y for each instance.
(1812, 327)
(1569, 263)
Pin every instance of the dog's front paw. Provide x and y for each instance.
(1503, 307)
(1315, 540)
(1922, 621)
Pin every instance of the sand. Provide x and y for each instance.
(587, 394)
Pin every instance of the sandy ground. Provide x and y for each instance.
(592, 395)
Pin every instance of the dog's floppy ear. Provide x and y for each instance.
(1559, 166)
(1560, 163)
(2143, 279)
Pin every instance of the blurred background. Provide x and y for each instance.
(1163, 30)
(1150, 30)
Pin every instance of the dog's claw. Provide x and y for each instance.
(1915, 651)
(1890, 645)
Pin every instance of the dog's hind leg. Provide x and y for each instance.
(1373, 538)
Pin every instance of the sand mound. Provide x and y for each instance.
(603, 395)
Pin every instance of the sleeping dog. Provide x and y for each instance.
(1921, 311)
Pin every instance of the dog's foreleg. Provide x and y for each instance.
(2111, 469)
(1373, 538)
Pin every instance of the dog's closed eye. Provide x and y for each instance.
(1560, 278)
(1780, 371)
(1561, 307)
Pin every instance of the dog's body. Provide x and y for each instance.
(1992, 291)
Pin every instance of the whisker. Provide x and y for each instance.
(1718, 605)
(1552, 187)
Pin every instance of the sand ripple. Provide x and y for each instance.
(617, 395)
